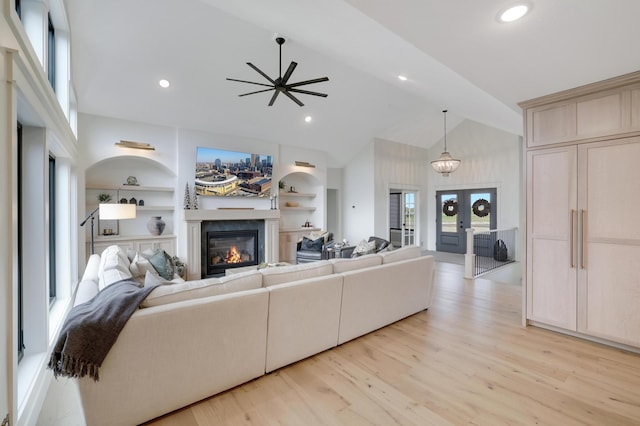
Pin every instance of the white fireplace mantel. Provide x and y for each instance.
(194, 219)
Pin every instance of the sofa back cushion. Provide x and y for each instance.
(406, 252)
(114, 266)
(195, 289)
(284, 274)
(352, 264)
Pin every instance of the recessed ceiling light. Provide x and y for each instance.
(402, 78)
(308, 119)
(513, 13)
(164, 83)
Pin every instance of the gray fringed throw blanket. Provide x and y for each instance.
(92, 328)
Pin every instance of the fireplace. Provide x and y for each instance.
(231, 244)
(231, 249)
(201, 221)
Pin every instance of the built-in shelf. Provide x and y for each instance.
(130, 188)
(107, 238)
(299, 208)
(296, 194)
(301, 228)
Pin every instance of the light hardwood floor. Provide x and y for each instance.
(466, 360)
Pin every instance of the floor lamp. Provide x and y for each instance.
(110, 212)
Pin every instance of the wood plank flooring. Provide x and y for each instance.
(465, 361)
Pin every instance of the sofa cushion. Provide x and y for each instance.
(203, 288)
(285, 274)
(87, 289)
(407, 252)
(114, 266)
(352, 264)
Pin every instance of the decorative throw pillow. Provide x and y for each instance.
(151, 279)
(309, 244)
(140, 265)
(162, 263)
(364, 247)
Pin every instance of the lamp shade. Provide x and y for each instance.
(117, 211)
(445, 164)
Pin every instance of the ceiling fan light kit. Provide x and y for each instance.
(281, 84)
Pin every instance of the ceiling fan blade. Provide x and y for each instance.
(261, 73)
(273, 98)
(287, 74)
(302, 83)
(293, 98)
(259, 91)
(306, 92)
(250, 82)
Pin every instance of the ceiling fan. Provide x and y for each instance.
(281, 84)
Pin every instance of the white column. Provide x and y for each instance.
(8, 243)
(194, 236)
(469, 257)
(272, 240)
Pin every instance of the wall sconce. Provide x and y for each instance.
(304, 164)
(135, 145)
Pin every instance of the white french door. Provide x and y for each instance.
(403, 217)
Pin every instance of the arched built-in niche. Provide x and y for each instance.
(153, 193)
(301, 201)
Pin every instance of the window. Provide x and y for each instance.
(52, 229)
(51, 60)
(395, 210)
(20, 241)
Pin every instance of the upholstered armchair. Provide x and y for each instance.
(312, 250)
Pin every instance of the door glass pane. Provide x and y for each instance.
(480, 205)
(409, 217)
(449, 212)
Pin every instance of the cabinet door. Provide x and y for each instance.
(609, 274)
(551, 244)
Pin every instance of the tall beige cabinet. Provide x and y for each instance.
(583, 210)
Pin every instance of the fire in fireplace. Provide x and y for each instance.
(231, 249)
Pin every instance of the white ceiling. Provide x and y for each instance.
(454, 52)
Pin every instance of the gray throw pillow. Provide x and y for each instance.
(309, 244)
(162, 263)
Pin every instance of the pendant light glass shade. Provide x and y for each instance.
(446, 163)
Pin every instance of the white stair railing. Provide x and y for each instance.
(488, 250)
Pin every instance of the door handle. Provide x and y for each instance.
(583, 239)
(573, 239)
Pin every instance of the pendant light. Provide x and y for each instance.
(446, 163)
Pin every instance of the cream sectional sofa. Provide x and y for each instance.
(194, 339)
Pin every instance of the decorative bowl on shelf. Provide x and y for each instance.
(292, 204)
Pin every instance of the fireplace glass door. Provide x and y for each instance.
(231, 249)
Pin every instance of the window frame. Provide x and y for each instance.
(52, 230)
(51, 53)
(21, 346)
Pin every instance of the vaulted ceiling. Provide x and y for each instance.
(455, 55)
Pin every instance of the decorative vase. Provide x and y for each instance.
(156, 225)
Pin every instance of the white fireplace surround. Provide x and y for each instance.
(194, 219)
